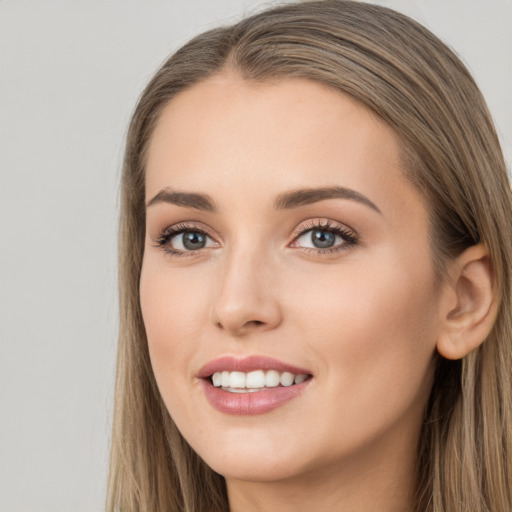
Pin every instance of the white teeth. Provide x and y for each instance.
(255, 379)
(240, 382)
(272, 379)
(237, 380)
(217, 379)
(300, 378)
(286, 379)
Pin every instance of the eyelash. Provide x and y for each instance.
(163, 240)
(350, 239)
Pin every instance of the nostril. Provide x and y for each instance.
(242, 329)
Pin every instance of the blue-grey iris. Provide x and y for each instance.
(194, 240)
(322, 239)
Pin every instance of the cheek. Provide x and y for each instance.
(380, 302)
(172, 311)
(374, 327)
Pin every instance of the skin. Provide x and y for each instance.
(363, 320)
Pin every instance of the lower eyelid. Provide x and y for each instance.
(330, 251)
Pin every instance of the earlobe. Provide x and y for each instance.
(472, 310)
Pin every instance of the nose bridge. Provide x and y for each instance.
(246, 298)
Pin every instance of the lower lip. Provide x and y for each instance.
(256, 402)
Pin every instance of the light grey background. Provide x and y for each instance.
(70, 73)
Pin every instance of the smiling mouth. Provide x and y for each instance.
(254, 381)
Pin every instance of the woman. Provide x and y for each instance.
(315, 275)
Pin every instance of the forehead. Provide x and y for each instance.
(226, 133)
(228, 106)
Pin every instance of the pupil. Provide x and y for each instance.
(194, 240)
(322, 239)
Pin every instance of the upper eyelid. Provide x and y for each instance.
(180, 227)
(322, 223)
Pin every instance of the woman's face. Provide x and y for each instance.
(284, 243)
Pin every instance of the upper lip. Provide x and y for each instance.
(248, 364)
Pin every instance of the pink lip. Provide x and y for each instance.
(257, 402)
(248, 364)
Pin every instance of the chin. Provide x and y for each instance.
(259, 455)
(257, 469)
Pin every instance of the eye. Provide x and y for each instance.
(325, 237)
(181, 240)
(190, 241)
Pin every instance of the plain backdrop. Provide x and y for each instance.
(70, 74)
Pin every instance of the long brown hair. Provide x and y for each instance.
(409, 78)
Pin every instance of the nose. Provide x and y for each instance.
(246, 299)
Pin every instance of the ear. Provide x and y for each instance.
(471, 305)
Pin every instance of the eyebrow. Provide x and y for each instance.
(187, 199)
(305, 196)
(285, 201)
